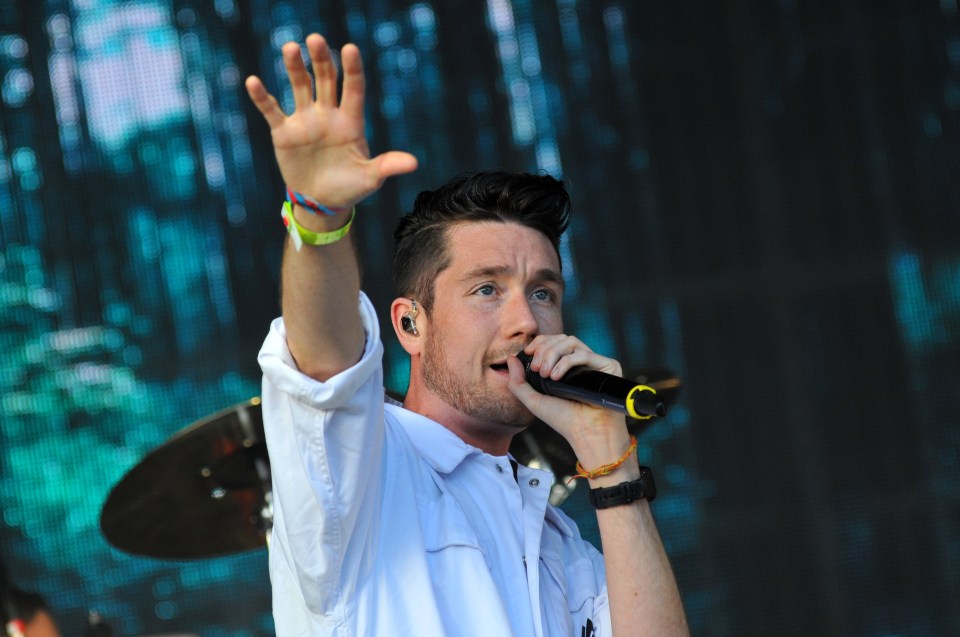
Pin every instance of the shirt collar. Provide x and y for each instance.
(554, 518)
(444, 451)
(441, 448)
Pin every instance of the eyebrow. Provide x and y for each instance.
(543, 274)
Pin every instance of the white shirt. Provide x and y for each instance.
(387, 523)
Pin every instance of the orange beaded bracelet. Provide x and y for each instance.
(604, 469)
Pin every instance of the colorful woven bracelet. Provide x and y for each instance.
(301, 235)
(604, 469)
(311, 204)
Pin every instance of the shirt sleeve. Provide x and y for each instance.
(325, 443)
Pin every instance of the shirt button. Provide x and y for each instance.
(499, 469)
(534, 482)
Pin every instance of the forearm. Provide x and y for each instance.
(643, 593)
(323, 155)
(320, 288)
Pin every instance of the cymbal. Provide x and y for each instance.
(666, 383)
(541, 447)
(201, 494)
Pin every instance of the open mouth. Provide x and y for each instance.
(500, 368)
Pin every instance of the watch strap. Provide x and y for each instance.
(625, 492)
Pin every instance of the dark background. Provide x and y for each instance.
(766, 203)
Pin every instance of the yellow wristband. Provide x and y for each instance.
(301, 235)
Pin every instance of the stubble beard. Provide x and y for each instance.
(481, 401)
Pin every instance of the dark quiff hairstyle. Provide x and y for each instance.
(420, 240)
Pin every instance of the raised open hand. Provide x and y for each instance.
(320, 147)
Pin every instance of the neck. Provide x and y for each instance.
(490, 437)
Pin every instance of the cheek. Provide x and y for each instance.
(550, 320)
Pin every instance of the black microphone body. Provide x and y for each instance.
(599, 389)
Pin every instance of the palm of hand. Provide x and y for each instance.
(323, 153)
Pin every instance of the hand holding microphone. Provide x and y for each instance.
(600, 389)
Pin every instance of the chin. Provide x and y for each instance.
(509, 413)
(515, 415)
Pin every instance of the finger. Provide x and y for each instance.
(394, 162)
(583, 358)
(265, 103)
(299, 78)
(354, 82)
(554, 356)
(546, 350)
(520, 388)
(324, 71)
(546, 408)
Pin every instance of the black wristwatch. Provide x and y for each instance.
(625, 492)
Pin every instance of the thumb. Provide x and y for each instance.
(519, 387)
(394, 162)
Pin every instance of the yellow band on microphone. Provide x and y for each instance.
(630, 398)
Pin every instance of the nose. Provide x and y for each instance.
(519, 320)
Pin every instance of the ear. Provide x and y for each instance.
(411, 343)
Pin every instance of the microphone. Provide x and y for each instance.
(599, 389)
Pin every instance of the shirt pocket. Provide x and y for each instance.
(451, 542)
(567, 593)
(462, 585)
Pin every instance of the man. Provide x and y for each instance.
(413, 520)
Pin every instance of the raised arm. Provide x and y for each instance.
(322, 153)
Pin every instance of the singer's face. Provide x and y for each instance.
(503, 287)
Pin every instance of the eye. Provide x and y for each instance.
(543, 294)
(484, 290)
